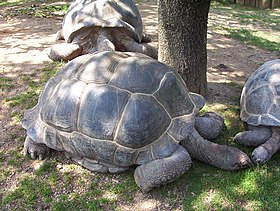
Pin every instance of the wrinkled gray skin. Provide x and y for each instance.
(112, 110)
(101, 25)
(260, 109)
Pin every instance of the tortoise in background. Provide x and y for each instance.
(260, 110)
(112, 110)
(99, 25)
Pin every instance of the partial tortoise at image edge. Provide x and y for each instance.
(260, 110)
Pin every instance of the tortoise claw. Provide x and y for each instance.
(35, 150)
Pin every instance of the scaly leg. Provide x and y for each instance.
(209, 125)
(162, 171)
(255, 136)
(35, 149)
(221, 156)
(64, 51)
(264, 152)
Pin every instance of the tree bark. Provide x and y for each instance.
(183, 39)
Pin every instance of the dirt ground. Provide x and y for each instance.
(24, 39)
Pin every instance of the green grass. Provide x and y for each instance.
(42, 11)
(28, 192)
(6, 84)
(36, 8)
(13, 3)
(252, 37)
(253, 189)
(252, 26)
(35, 82)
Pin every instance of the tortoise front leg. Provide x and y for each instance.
(35, 150)
(209, 125)
(59, 35)
(221, 156)
(133, 46)
(264, 152)
(162, 171)
(104, 41)
(64, 51)
(255, 136)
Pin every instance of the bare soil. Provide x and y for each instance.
(23, 40)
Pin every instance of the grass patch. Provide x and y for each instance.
(214, 189)
(35, 8)
(28, 192)
(35, 82)
(14, 2)
(257, 27)
(254, 38)
(6, 84)
(42, 11)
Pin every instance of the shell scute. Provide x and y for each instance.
(139, 76)
(142, 123)
(174, 96)
(100, 110)
(61, 109)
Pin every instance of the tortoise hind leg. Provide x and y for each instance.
(104, 41)
(162, 171)
(59, 35)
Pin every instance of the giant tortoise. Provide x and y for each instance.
(260, 109)
(112, 110)
(98, 25)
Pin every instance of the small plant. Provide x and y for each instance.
(6, 84)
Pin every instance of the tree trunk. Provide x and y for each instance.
(183, 39)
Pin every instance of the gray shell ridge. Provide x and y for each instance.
(260, 98)
(99, 13)
(130, 110)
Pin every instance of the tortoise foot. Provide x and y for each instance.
(162, 171)
(64, 51)
(255, 136)
(260, 155)
(35, 150)
(209, 125)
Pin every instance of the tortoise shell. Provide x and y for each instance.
(260, 98)
(118, 108)
(85, 14)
